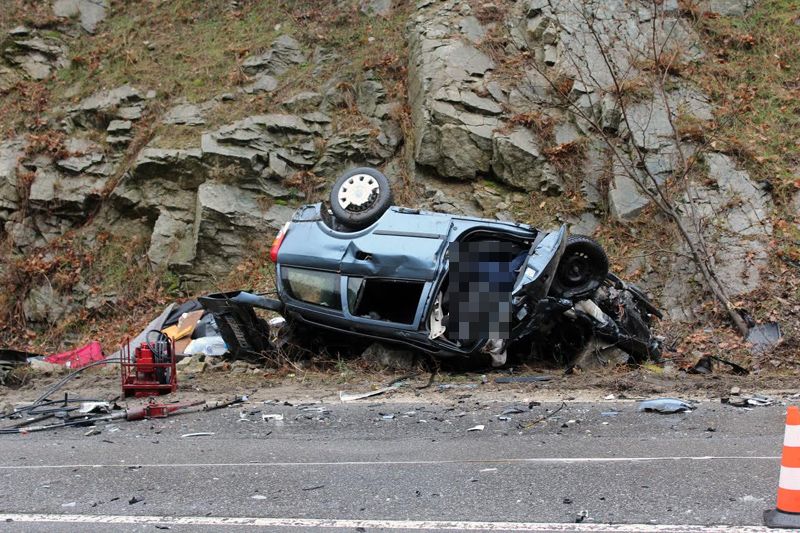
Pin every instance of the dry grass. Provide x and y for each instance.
(107, 265)
(753, 73)
(181, 48)
(194, 49)
(541, 124)
(31, 13)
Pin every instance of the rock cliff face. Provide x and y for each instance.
(509, 105)
(469, 121)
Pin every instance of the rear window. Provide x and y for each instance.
(312, 286)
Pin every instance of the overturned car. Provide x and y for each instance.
(363, 270)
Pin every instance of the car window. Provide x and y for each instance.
(384, 299)
(312, 286)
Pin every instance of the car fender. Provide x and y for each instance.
(536, 275)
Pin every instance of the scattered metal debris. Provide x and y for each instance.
(529, 425)
(665, 406)
(225, 403)
(764, 337)
(479, 427)
(447, 386)
(748, 401)
(522, 379)
(95, 408)
(351, 397)
(198, 434)
(705, 365)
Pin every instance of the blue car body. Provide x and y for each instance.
(322, 272)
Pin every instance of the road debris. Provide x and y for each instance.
(704, 365)
(351, 397)
(764, 337)
(9, 360)
(479, 427)
(523, 379)
(92, 412)
(78, 357)
(198, 434)
(277, 417)
(548, 415)
(665, 406)
(448, 386)
(95, 408)
(225, 403)
(748, 401)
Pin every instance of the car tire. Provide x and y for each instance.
(582, 269)
(359, 197)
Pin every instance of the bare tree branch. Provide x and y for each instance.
(650, 186)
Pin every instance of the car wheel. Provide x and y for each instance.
(583, 267)
(359, 197)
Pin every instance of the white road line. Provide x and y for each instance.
(370, 524)
(531, 460)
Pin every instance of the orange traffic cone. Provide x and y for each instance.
(787, 514)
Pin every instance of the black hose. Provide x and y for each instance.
(67, 378)
(34, 409)
(70, 423)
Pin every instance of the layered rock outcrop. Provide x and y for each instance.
(512, 105)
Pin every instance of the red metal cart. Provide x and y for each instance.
(150, 370)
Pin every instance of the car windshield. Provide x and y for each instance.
(312, 286)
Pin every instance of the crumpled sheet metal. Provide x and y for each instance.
(665, 406)
(764, 337)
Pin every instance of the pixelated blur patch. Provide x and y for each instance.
(482, 275)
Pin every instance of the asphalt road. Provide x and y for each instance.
(375, 465)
